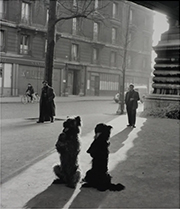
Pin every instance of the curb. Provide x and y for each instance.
(57, 100)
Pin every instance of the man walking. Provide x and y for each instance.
(47, 105)
(131, 101)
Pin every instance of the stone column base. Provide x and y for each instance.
(154, 101)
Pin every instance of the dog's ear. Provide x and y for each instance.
(78, 120)
(65, 124)
(109, 127)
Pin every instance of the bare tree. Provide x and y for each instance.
(69, 9)
(125, 43)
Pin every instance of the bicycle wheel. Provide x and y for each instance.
(24, 99)
(36, 98)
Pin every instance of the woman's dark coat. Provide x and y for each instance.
(47, 105)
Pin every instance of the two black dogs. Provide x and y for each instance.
(68, 146)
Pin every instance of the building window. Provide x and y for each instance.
(109, 82)
(45, 46)
(95, 55)
(24, 44)
(47, 16)
(2, 40)
(96, 2)
(114, 10)
(1, 71)
(75, 3)
(114, 35)
(130, 16)
(25, 12)
(74, 52)
(74, 26)
(2, 9)
(113, 59)
(95, 31)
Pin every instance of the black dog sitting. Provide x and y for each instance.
(68, 147)
(98, 176)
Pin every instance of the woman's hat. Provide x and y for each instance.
(44, 82)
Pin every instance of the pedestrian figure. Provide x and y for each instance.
(47, 105)
(30, 91)
(131, 100)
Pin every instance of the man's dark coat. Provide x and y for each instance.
(131, 106)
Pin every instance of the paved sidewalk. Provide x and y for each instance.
(61, 99)
(144, 159)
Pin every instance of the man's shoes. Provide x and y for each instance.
(133, 126)
(128, 125)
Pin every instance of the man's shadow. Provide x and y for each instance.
(55, 196)
(117, 140)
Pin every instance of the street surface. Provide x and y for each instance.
(145, 159)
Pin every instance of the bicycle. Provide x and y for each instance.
(27, 99)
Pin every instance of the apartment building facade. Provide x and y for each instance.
(89, 53)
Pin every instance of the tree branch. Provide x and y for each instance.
(70, 17)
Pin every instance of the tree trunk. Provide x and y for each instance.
(50, 42)
(121, 93)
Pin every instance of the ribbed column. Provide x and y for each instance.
(166, 81)
(167, 72)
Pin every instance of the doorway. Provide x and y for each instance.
(94, 85)
(6, 79)
(73, 82)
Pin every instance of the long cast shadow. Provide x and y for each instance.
(117, 140)
(58, 195)
(55, 196)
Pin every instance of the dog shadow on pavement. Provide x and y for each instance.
(117, 140)
(55, 196)
(58, 196)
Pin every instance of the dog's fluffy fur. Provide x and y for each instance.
(68, 146)
(98, 176)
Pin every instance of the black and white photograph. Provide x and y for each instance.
(89, 104)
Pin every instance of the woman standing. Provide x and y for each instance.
(47, 105)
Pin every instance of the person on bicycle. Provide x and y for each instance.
(30, 91)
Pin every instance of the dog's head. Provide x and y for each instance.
(72, 123)
(103, 129)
